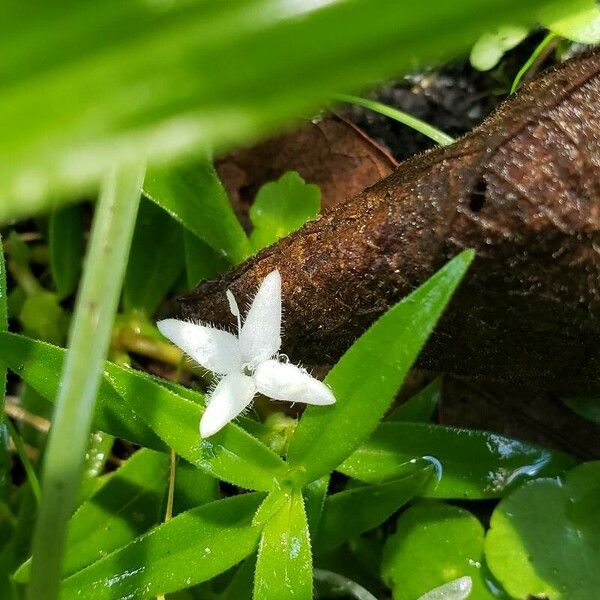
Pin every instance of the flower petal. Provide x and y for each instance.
(282, 381)
(459, 589)
(234, 308)
(260, 337)
(214, 349)
(231, 396)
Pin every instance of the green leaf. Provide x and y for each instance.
(190, 548)
(368, 376)
(20, 449)
(240, 586)
(201, 261)
(66, 245)
(473, 464)
(194, 196)
(40, 365)
(87, 86)
(348, 514)
(433, 544)
(401, 116)
(537, 52)
(124, 507)
(43, 317)
(18, 545)
(128, 504)
(281, 207)
(232, 454)
(581, 25)
(89, 338)
(544, 539)
(5, 462)
(284, 565)
(421, 406)
(96, 456)
(156, 259)
(18, 250)
(491, 46)
(315, 495)
(36, 404)
(193, 488)
(585, 406)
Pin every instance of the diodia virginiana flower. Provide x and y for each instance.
(247, 363)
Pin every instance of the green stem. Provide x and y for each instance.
(29, 470)
(534, 56)
(127, 338)
(88, 344)
(24, 277)
(431, 132)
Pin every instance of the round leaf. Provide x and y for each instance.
(490, 47)
(544, 538)
(434, 544)
(281, 207)
(582, 26)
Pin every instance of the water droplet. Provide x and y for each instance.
(439, 470)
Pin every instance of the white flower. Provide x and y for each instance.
(248, 363)
(459, 589)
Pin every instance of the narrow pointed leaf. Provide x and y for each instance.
(124, 507)
(472, 464)
(86, 86)
(156, 259)
(315, 495)
(66, 244)
(368, 376)
(40, 365)
(232, 454)
(284, 565)
(190, 548)
(201, 261)
(352, 512)
(137, 407)
(193, 488)
(194, 196)
(587, 407)
(421, 407)
(240, 586)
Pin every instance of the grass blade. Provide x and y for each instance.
(86, 84)
(399, 115)
(20, 449)
(89, 338)
(368, 376)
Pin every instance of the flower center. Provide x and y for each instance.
(248, 369)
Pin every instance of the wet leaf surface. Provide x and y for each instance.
(471, 464)
(544, 538)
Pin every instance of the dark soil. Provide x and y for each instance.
(454, 98)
